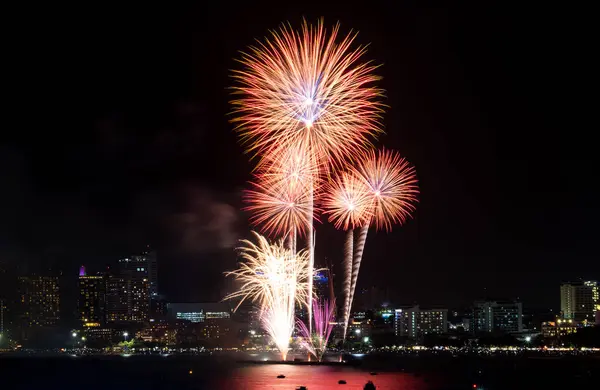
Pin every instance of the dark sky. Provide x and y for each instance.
(117, 137)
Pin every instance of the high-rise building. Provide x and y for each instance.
(152, 272)
(579, 300)
(128, 292)
(321, 284)
(92, 299)
(135, 270)
(39, 303)
(2, 309)
(497, 316)
(117, 301)
(414, 322)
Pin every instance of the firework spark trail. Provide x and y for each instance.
(392, 184)
(324, 316)
(311, 259)
(348, 203)
(348, 250)
(392, 189)
(356, 259)
(272, 276)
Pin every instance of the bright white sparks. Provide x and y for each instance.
(273, 277)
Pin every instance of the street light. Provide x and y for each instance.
(357, 331)
(126, 335)
(528, 338)
(74, 334)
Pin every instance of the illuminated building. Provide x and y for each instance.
(117, 301)
(414, 322)
(92, 299)
(159, 333)
(358, 330)
(497, 316)
(98, 334)
(40, 300)
(321, 284)
(198, 312)
(2, 309)
(39, 303)
(579, 300)
(152, 262)
(387, 315)
(128, 292)
(558, 328)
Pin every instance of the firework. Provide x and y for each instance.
(281, 211)
(393, 190)
(280, 200)
(307, 88)
(392, 184)
(310, 90)
(290, 168)
(316, 343)
(347, 200)
(272, 276)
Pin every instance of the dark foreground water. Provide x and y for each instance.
(392, 372)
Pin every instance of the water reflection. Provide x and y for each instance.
(316, 377)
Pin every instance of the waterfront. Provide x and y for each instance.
(222, 372)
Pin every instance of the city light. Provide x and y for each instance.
(74, 334)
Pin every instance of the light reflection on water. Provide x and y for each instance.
(316, 377)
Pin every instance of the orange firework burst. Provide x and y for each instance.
(279, 210)
(281, 199)
(290, 168)
(392, 184)
(347, 200)
(307, 88)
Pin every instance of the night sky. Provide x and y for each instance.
(117, 137)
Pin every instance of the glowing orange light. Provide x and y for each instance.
(347, 200)
(306, 88)
(392, 182)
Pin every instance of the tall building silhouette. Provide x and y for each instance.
(39, 301)
(92, 299)
(579, 300)
(128, 291)
(498, 316)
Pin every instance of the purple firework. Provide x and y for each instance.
(323, 318)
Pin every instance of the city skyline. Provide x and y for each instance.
(116, 303)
